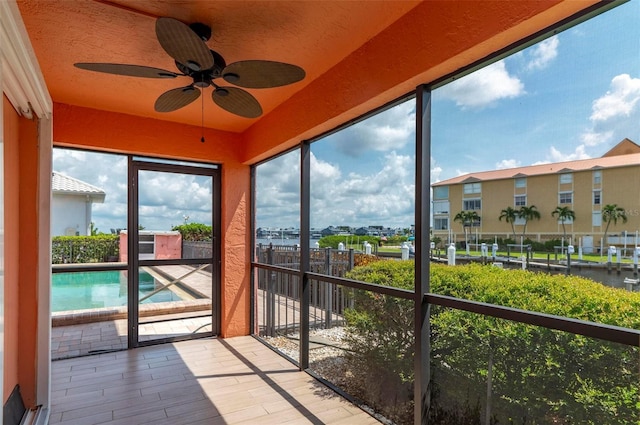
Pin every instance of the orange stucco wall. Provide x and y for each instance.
(108, 131)
(21, 253)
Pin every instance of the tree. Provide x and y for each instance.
(612, 212)
(528, 214)
(563, 214)
(466, 219)
(510, 215)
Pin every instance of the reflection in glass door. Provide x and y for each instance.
(173, 266)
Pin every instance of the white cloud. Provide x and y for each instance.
(541, 162)
(620, 100)
(593, 138)
(436, 171)
(543, 53)
(389, 130)
(383, 196)
(484, 87)
(507, 163)
(106, 171)
(165, 198)
(556, 156)
(615, 114)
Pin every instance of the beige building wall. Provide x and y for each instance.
(619, 185)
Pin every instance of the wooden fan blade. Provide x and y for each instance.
(182, 44)
(258, 74)
(237, 101)
(176, 98)
(127, 70)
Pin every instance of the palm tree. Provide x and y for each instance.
(563, 214)
(510, 215)
(528, 214)
(612, 212)
(466, 219)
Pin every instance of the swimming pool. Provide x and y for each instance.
(87, 290)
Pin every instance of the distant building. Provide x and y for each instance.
(71, 204)
(585, 186)
(329, 231)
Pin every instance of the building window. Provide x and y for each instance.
(472, 204)
(440, 207)
(597, 177)
(441, 192)
(520, 200)
(596, 218)
(521, 182)
(472, 188)
(596, 197)
(565, 198)
(566, 178)
(441, 223)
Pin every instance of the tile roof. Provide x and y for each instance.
(68, 185)
(551, 168)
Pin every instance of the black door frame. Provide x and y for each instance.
(136, 164)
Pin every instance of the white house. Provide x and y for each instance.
(71, 203)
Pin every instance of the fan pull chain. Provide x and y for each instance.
(202, 123)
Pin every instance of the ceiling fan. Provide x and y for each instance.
(186, 45)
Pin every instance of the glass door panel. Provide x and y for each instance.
(175, 276)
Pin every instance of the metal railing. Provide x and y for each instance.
(344, 298)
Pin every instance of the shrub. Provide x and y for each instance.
(333, 240)
(364, 259)
(195, 232)
(538, 375)
(395, 240)
(84, 249)
(380, 335)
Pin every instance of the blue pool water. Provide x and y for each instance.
(84, 290)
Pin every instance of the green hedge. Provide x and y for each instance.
(538, 375)
(195, 232)
(84, 249)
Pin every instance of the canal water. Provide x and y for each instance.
(602, 275)
(594, 271)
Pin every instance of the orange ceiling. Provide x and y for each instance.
(315, 35)
(357, 54)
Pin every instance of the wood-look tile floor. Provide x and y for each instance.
(205, 381)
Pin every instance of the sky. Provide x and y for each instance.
(572, 96)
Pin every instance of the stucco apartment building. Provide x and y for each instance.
(584, 186)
